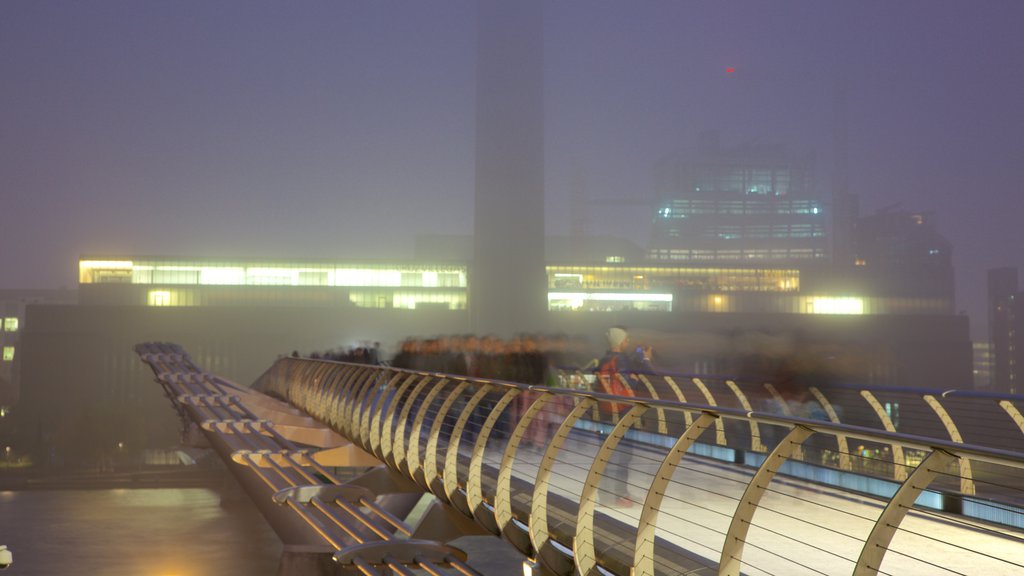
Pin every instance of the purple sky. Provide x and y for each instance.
(343, 129)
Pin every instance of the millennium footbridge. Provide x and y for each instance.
(695, 475)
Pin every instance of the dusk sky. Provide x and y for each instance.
(343, 129)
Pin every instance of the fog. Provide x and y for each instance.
(346, 129)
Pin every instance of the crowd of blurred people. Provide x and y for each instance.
(525, 358)
(365, 354)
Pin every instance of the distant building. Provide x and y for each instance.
(983, 364)
(508, 223)
(12, 324)
(83, 389)
(752, 204)
(1006, 330)
(900, 254)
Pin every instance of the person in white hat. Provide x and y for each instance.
(614, 375)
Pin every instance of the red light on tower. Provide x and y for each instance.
(730, 70)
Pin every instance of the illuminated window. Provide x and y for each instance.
(159, 298)
(8, 353)
(609, 301)
(835, 306)
(11, 324)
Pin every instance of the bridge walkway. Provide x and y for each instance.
(655, 486)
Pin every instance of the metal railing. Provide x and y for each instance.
(961, 416)
(310, 503)
(678, 482)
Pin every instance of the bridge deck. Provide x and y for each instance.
(714, 516)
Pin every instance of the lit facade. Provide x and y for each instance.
(1006, 330)
(236, 316)
(186, 282)
(755, 290)
(983, 364)
(745, 204)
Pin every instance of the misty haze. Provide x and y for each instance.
(302, 283)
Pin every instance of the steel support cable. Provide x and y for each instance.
(791, 561)
(242, 438)
(269, 427)
(365, 567)
(415, 449)
(923, 561)
(364, 520)
(250, 432)
(452, 562)
(398, 568)
(274, 487)
(375, 428)
(310, 478)
(387, 516)
(344, 525)
(804, 542)
(342, 383)
(429, 568)
(369, 398)
(358, 401)
(281, 471)
(954, 545)
(821, 505)
(690, 520)
(962, 524)
(320, 469)
(338, 521)
(260, 445)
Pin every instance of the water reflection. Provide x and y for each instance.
(158, 532)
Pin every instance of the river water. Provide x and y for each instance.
(139, 532)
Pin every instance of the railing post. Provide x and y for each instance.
(378, 435)
(755, 435)
(877, 543)
(843, 446)
(899, 461)
(583, 543)
(503, 490)
(798, 453)
(966, 475)
(662, 425)
(403, 418)
(1014, 413)
(719, 425)
(451, 457)
(386, 443)
(643, 549)
(731, 562)
(355, 398)
(430, 460)
(412, 458)
(474, 483)
(679, 394)
(539, 535)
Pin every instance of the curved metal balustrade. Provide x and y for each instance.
(278, 456)
(680, 482)
(961, 416)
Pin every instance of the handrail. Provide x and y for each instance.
(497, 504)
(344, 516)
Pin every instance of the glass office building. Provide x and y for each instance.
(747, 203)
